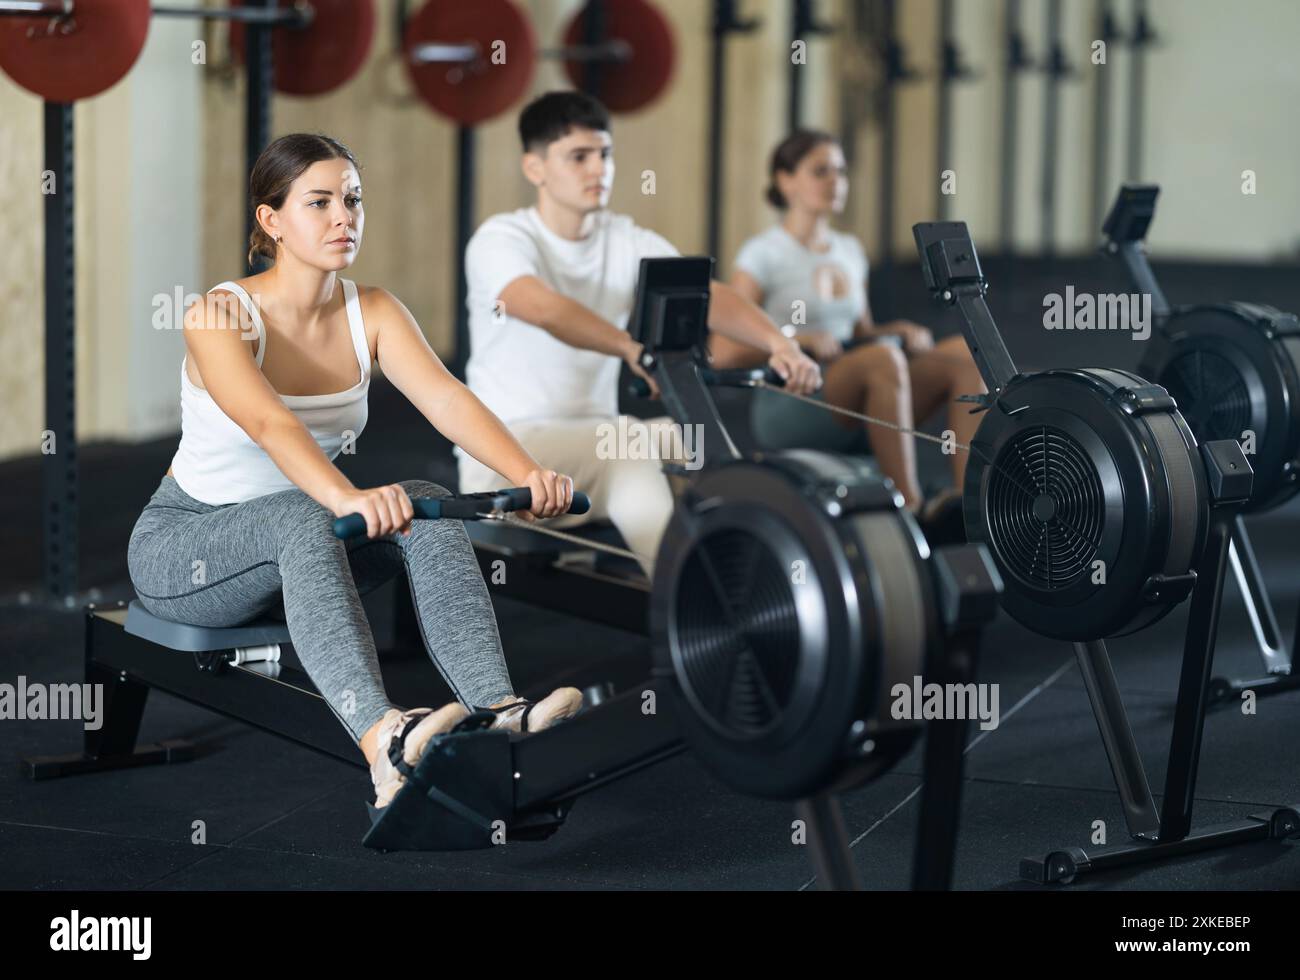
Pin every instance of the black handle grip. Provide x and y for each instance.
(462, 506)
(743, 377)
(730, 378)
(638, 388)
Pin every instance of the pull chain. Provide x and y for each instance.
(860, 417)
(586, 543)
(826, 406)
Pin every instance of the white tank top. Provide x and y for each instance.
(217, 463)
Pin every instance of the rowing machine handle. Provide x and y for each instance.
(732, 378)
(461, 506)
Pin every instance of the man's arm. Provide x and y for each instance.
(531, 300)
(733, 316)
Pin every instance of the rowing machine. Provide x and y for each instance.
(1234, 369)
(792, 596)
(795, 596)
(1102, 514)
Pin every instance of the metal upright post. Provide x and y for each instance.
(723, 14)
(724, 22)
(1053, 70)
(947, 70)
(1143, 36)
(593, 35)
(59, 460)
(1015, 61)
(466, 157)
(260, 72)
(794, 91)
(894, 74)
(1101, 93)
(1194, 683)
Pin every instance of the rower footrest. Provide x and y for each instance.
(460, 797)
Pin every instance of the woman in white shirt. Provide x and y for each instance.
(273, 387)
(813, 279)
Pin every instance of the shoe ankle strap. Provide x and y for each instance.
(397, 744)
(521, 703)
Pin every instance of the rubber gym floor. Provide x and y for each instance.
(281, 816)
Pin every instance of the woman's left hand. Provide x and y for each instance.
(916, 339)
(552, 494)
(799, 371)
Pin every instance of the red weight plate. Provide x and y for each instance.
(629, 85)
(322, 57)
(71, 58)
(473, 93)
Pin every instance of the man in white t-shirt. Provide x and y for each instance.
(551, 288)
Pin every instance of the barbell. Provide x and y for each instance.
(66, 50)
(473, 61)
(468, 61)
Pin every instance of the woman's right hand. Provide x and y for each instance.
(386, 509)
(552, 494)
(823, 345)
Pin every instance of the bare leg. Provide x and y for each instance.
(369, 743)
(726, 354)
(940, 375)
(873, 380)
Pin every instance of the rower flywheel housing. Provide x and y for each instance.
(790, 595)
(1087, 487)
(1234, 370)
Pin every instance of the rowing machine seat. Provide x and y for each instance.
(197, 639)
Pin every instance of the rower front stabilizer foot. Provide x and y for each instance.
(1064, 866)
(460, 797)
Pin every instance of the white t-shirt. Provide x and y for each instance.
(831, 285)
(520, 371)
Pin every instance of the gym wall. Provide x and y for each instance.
(1210, 114)
(160, 161)
(161, 195)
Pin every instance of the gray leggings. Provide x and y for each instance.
(207, 565)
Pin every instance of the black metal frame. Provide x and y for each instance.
(1281, 674)
(277, 698)
(60, 551)
(267, 15)
(964, 609)
(725, 23)
(1055, 68)
(896, 71)
(804, 25)
(1159, 833)
(59, 468)
(952, 69)
(1124, 233)
(952, 273)
(466, 164)
(1143, 37)
(543, 773)
(259, 69)
(1016, 61)
(1107, 32)
(254, 13)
